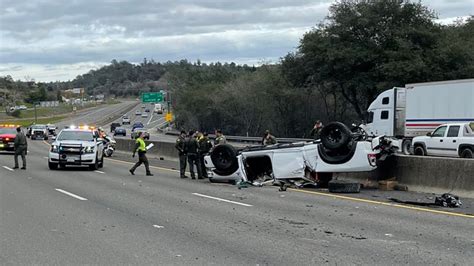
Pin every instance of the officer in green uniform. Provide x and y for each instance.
(316, 131)
(205, 146)
(140, 147)
(21, 147)
(192, 151)
(181, 147)
(268, 139)
(220, 138)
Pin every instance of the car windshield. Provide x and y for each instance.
(7, 130)
(38, 127)
(76, 135)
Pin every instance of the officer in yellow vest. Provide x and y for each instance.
(140, 147)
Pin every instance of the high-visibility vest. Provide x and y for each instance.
(142, 146)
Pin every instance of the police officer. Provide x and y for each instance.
(316, 131)
(268, 139)
(205, 146)
(181, 147)
(140, 147)
(192, 148)
(21, 146)
(220, 138)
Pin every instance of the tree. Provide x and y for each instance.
(366, 47)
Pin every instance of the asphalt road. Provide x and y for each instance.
(112, 217)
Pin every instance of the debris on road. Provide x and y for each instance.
(445, 200)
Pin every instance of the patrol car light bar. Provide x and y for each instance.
(9, 125)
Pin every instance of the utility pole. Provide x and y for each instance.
(36, 116)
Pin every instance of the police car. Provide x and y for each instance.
(77, 146)
(7, 137)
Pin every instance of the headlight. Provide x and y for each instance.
(55, 148)
(89, 149)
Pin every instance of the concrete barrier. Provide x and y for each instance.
(424, 174)
(161, 149)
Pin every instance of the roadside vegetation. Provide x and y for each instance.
(361, 49)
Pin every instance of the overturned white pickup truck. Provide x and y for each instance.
(339, 150)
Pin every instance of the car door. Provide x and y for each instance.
(435, 144)
(451, 141)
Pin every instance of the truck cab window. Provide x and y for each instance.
(384, 115)
(386, 100)
(439, 132)
(370, 117)
(453, 131)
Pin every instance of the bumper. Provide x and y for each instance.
(7, 146)
(67, 159)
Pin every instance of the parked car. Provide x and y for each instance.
(113, 126)
(137, 131)
(125, 120)
(339, 150)
(448, 140)
(120, 131)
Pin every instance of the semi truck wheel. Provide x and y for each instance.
(224, 158)
(406, 145)
(343, 186)
(335, 135)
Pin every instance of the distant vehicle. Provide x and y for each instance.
(147, 110)
(416, 109)
(125, 120)
(77, 146)
(7, 137)
(137, 125)
(51, 129)
(137, 131)
(113, 126)
(143, 106)
(39, 132)
(449, 140)
(158, 108)
(120, 131)
(138, 112)
(22, 107)
(144, 115)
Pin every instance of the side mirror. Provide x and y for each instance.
(428, 134)
(53, 137)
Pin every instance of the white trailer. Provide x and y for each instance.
(416, 109)
(158, 108)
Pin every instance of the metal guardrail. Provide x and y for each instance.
(257, 140)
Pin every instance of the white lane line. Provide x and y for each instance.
(70, 194)
(8, 168)
(224, 200)
(46, 157)
(100, 172)
(151, 117)
(158, 226)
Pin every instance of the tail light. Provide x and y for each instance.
(7, 139)
(372, 157)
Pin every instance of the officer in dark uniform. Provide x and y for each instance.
(21, 147)
(181, 147)
(205, 146)
(192, 148)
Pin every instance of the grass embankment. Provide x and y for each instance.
(30, 121)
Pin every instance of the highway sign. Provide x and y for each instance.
(152, 97)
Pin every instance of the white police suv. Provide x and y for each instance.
(77, 146)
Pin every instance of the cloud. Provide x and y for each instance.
(51, 39)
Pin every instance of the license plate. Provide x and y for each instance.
(70, 160)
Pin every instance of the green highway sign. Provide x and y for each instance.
(152, 97)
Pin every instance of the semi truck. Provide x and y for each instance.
(417, 109)
(158, 108)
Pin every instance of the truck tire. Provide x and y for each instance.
(467, 153)
(343, 186)
(224, 158)
(406, 145)
(94, 166)
(335, 135)
(337, 156)
(419, 150)
(52, 166)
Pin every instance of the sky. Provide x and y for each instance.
(56, 40)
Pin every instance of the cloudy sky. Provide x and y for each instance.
(50, 40)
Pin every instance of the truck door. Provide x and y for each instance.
(435, 144)
(450, 141)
